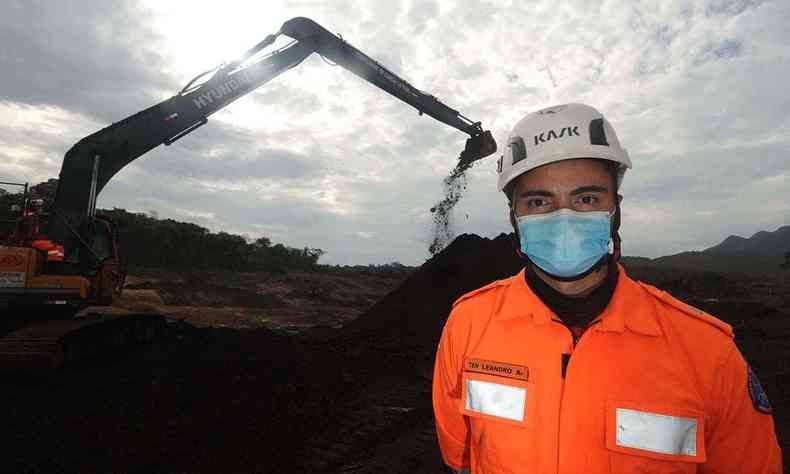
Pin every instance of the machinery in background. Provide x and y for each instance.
(33, 276)
(69, 259)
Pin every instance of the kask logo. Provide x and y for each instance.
(553, 135)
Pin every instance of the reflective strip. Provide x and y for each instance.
(658, 433)
(496, 399)
(12, 279)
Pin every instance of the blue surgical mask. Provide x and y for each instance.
(565, 243)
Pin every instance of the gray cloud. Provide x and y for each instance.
(97, 58)
(729, 7)
(222, 152)
(725, 49)
(418, 15)
(320, 158)
(286, 96)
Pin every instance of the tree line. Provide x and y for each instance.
(147, 240)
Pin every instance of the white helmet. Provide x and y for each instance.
(560, 133)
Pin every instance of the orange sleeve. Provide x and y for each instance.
(740, 438)
(452, 427)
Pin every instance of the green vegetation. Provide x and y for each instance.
(147, 240)
(704, 262)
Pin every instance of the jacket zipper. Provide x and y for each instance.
(575, 342)
(577, 338)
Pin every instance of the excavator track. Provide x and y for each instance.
(54, 344)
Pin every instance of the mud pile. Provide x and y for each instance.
(355, 399)
(203, 294)
(411, 317)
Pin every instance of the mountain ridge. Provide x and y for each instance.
(760, 244)
(763, 252)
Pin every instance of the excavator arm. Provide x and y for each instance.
(331, 47)
(93, 161)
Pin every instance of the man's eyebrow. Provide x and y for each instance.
(589, 189)
(535, 192)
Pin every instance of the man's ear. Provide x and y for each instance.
(616, 217)
(513, 221)
(615, 231)
(517, 241)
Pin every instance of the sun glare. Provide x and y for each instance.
(200, 39)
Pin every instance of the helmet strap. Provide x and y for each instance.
(616, 228)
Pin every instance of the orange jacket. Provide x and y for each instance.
(653, 385)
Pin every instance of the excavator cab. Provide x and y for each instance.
(12, 210)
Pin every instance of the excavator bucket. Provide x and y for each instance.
(477, 147)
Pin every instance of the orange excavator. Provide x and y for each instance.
(54, 264)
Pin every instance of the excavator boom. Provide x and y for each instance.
(331, 47)
(93, 161)
(76, 262)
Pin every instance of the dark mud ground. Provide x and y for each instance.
(348, 400)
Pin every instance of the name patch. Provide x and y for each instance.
(501, 369)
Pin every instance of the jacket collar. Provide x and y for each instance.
(630, 307)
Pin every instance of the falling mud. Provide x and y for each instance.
(454, 188)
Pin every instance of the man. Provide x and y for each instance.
(570, 366)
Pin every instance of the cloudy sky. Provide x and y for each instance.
(697, 91)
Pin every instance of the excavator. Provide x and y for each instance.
(54, 264)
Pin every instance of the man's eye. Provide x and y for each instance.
(536, 202)
(589, 199)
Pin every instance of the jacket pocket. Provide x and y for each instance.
(649, 438)
(498, 399)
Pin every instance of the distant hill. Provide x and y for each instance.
(762, 253)
(761, 244)
(703, 262)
